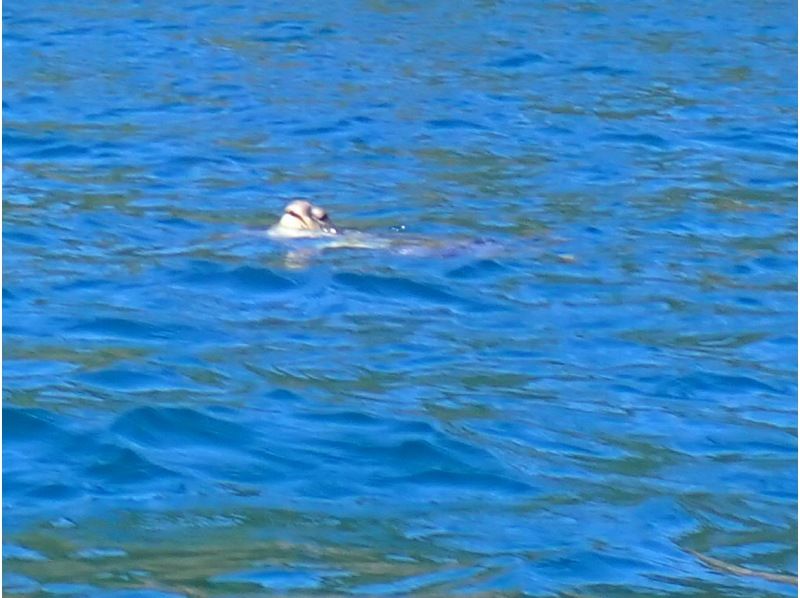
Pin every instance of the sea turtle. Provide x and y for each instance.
(303, 220)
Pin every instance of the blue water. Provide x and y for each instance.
(191, 410)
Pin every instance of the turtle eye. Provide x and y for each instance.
(319, 214)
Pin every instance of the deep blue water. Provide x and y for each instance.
(187, 411)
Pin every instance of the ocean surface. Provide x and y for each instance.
(582, 383)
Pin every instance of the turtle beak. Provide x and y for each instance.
(328, 228)
(324, 223)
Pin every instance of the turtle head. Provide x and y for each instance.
(304, 218)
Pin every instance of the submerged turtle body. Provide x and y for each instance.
(407, 245)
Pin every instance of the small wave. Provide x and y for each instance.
(429, 480)
(243, 278)
(455, 123)
(403, 288)
(179, 427)
(123, 328)
(122, 466)
(22, 425)
(517, 61)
